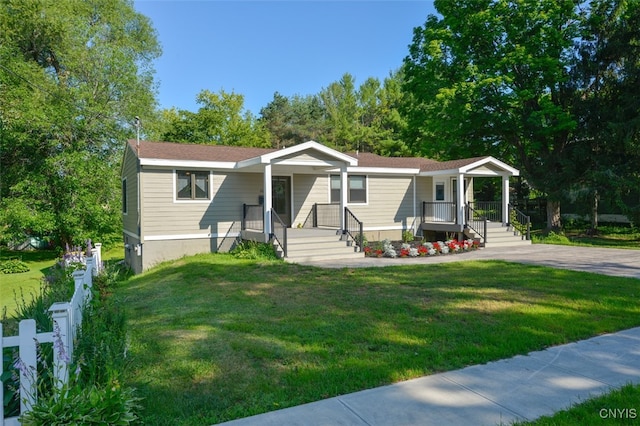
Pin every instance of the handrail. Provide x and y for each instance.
(354, 228)
(279, 231)
(520, 222)
(477, 223)
(252, 217)
(326, 215)
(491, 209)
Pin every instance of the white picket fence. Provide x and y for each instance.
(67, 320)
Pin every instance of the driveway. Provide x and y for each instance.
(607, 261)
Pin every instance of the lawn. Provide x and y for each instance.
(215, 338)
(28, 283)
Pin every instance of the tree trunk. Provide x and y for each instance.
(554, 222)
(594, 213)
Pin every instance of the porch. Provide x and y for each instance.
(481, 220)
(320, 237)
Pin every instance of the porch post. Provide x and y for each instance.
(505, 200)
(344, 183)
(460, 201)
(267, 200)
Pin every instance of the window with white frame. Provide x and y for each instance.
(192, 185)
(357, 189)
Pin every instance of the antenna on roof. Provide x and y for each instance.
(137, 124)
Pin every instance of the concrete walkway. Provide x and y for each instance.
(521, 388)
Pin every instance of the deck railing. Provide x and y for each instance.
(520, 222)
(326, 215)
(354, 228)
(252, 217)
(477, 222)
(439, 211)
(492, 210)
(279, 231)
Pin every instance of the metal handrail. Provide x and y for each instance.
(326, 215)
(491, 209)
(477, 223)
(354, 228)
(252, 217)
(279, 231)
(520, 222)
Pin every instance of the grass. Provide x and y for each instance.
(215, 338)
(621, 407)
(27, 284)
(612, 236)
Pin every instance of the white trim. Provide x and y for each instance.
(382, 171)
(267, 158)
(190, 236)
(467, 169)
(193, 164)
(131, 234)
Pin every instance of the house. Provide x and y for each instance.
(182, 199)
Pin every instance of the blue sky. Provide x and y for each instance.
(256, 48)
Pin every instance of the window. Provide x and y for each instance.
(124, 196)
(357, 189)
(439, 191)
(192, 185)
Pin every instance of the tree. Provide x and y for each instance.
(72, 77)
(491, 77)
(609, 109)
(220, 120)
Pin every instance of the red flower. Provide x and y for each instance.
(404, 252)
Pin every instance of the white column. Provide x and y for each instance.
(460, 200)
(505, 200)
(267, 200)
(344, 191)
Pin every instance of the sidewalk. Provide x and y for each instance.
(501, 392)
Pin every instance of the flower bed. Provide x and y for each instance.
(395, 249)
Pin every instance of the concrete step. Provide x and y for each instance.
(318, 244)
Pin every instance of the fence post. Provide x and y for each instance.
(89, 271)
(29, 367)
(98, 256)
(62, 341)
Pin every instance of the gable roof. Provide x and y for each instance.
(167, 153)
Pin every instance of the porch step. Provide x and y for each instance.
(499, 235)
(305, 245)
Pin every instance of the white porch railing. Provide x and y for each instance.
(67, 320)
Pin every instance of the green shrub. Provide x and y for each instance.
(407, 236)
(13, 266)
(254, 251)
(80, 405)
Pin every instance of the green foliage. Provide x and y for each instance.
(13, 266)
(407, 236)
(552, 238)
(73, 74)
(82, 405)
(221, 120)
(254, 251)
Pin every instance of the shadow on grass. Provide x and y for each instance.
(214, 338)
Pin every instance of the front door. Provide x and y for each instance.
(281, 197)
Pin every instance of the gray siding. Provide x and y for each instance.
(308, 190)
(389, 202)
(221, 215)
